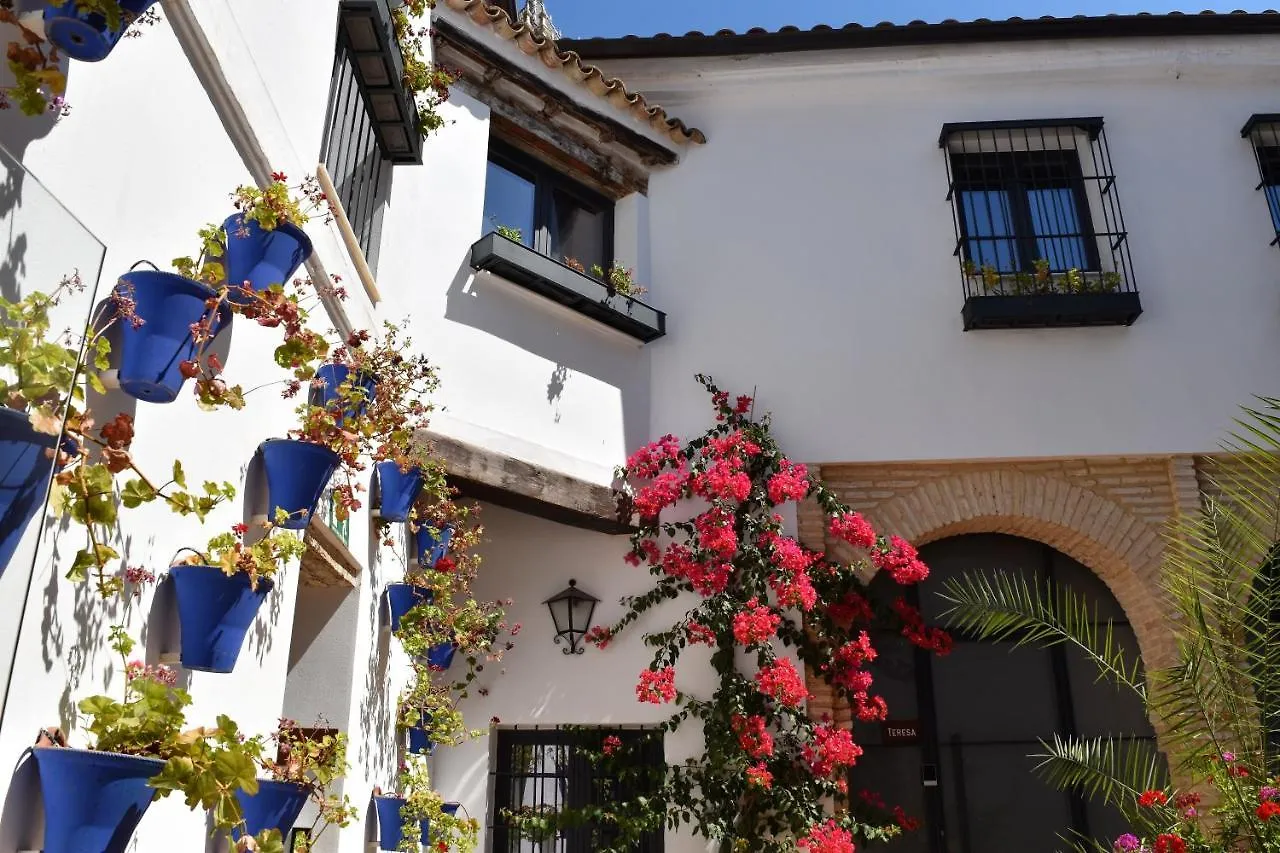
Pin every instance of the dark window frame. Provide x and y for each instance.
(577, 779)
(352, 152)
(1015, 173)
(546, 181)
(1263, 132)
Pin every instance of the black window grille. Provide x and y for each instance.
(529, 201)
(1263, 130)
(1037, 213)
(540, 772)
(364, 119)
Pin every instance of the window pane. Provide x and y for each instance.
(508, 202)
(1273, 204)
(1056, 225)
(577, 232)
(988, 228)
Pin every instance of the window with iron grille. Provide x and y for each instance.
(1037, 214)
(1263, 130)
(540, 772)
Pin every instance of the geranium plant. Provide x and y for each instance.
(448, 831)
(767, 773)
(263, 558)
(315, 762)
(205, 765)
(429, 83)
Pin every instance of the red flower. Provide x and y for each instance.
(599, 636)
(795, 591)
(827, 837)
(753, 737)
(851, 609)
(724, 480)
(791, 483)
(657, 686)
(742, 405)
(1147, 799)
(699, 633)
(832, 751)
(1169, 843)
(901, 560)
(665, 490)
(756, 624)
(1267, 810)
(716, 533)
(612, 744)
(908, 824)
(780, 681)
(854, 529)
(446, 564)
(646, 462)
(759, 776)
(279, 176)
(870, 708)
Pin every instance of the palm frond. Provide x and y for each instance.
(1106, 769)
(1005, 606)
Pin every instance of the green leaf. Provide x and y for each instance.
(179, 476)
(136, 492)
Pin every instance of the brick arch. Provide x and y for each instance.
(1121, 548)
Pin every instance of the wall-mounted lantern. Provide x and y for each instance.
(571, 611)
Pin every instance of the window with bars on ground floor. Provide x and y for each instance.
(541, 772)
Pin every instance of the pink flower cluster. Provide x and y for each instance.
(716, 533)
(791, 483)
(854, 529)
(646, 462)
(901, 561)
(780, 681)
(699, 633)
(723, 480)
(827, 837)
(679, 562)
(832, 751)
(136, 669)
(665, 490)
(612, 744)
(794, 591)
(657, 686)
(756, 623)
(599, 636)
(753, 737)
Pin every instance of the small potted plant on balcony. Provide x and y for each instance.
(219, 593)
(89, 30)
(94, 798)
(307, 764)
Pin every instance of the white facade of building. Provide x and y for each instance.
(805, 250)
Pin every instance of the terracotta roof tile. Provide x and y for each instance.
(571, 65)
(887, 33)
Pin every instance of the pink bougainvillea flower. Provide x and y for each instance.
(780, 681)
(657, 686)
(828, 837)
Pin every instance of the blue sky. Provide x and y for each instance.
(580, 18)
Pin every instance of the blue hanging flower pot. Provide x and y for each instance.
(324, 390)
(297, 472)
(25, 472)
(420, 741)
(440, 656)
(397, 490)
(88, 36)
(257, 259)
(214, 612)
(391, 825)
(151, 353)
(403, 597)
(92, 800)
(432, 547)
(275, 806)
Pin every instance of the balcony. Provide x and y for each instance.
(1041, 300)
(565, 286)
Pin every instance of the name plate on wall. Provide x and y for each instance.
(900, 732)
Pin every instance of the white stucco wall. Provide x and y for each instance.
(807, 249)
